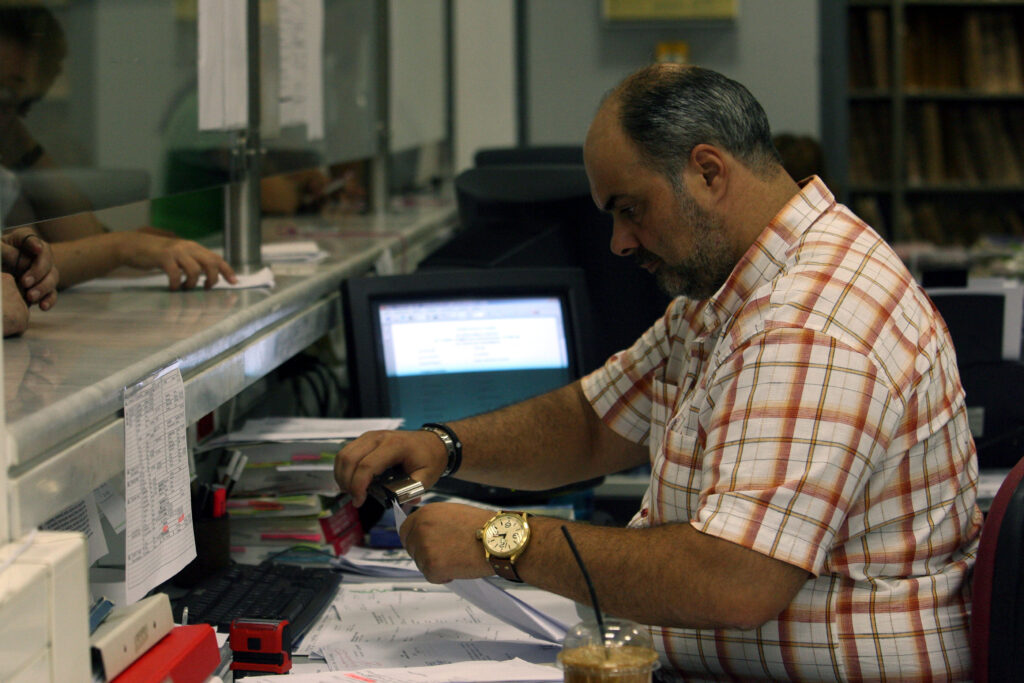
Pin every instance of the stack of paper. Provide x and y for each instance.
(286, 497)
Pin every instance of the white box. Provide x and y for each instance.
(64, 605)
(24, 623)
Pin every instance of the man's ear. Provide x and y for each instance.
(711, 165)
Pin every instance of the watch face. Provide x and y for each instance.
(505, 535)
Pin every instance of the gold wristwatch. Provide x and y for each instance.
(505, 536)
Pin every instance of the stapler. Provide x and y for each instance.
(395, 486)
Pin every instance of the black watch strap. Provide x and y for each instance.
(451, 443)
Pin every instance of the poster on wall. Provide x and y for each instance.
(668, 10)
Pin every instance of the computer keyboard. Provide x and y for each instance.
(264, 591)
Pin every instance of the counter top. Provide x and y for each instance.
(64, 378)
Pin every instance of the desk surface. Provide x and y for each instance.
(64, 379)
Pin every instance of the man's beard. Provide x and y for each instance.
(702, 273)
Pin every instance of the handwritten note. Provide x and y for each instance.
(159, 539)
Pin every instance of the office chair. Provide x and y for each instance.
(543, 154)
(994, 386)
(997, 612)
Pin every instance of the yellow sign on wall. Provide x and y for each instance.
(661, 10)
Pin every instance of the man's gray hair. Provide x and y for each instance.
(667, 110)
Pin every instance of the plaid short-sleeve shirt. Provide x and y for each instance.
(811, 410)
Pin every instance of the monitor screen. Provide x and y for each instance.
(472, 352)
(442, 345)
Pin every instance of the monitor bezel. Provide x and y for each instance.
(362, 298)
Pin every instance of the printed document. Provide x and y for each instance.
(159, 541)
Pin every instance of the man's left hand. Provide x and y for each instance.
(29, 259)
(441, 539)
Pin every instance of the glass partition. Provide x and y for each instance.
(108, 90)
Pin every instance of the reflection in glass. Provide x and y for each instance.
(108, 89)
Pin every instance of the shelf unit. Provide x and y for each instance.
(923, 124)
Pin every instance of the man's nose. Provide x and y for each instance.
(622, 243)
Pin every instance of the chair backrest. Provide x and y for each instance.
(997, 610)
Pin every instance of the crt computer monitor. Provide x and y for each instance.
(440, 345)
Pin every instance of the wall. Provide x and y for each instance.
(575, 57)
(484, 89)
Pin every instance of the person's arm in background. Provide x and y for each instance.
(183, 260)
(15, 310)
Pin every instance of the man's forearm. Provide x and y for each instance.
(671, 575)
(548, 441)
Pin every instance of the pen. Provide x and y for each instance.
(236, 474)
(229, 470)
(184, 615)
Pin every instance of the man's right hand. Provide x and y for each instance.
(421, 454)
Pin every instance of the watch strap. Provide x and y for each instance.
(505, 568)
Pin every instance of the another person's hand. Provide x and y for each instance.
(290, 193)
(15, 310)
(30, 261)
(441, 539)
(183, 260)
(421, 454)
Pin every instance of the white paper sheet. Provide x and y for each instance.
(301, 37)
(222, 64)
(264, 277)
(83, 516)
(210, 64)
(434, 652)
(286, 429)
(159, 540)
(299, 251)
(292, 251)
(392, 563)
(511, 671)
(378, 612)
(111, 504)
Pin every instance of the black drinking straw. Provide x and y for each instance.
(590, 586)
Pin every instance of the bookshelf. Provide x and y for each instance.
(924, 115)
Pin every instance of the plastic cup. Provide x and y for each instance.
(624, 653)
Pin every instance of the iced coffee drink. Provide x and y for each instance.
(621, 654)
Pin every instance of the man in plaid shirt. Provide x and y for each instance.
(811, 511)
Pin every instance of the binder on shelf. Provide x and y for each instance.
(878, 47)
(128, 632)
